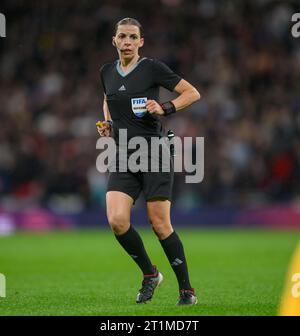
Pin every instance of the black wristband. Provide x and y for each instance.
(168, 107)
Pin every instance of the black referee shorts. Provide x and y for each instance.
(154, 185)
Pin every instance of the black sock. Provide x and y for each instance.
(133, 245)
(174, 251)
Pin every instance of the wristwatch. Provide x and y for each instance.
(168, 108)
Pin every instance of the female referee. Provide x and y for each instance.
(124, 80)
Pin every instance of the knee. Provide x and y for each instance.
(118, 222)
(161, 226)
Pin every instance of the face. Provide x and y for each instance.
(128, 40)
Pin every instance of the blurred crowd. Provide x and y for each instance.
(240, 55)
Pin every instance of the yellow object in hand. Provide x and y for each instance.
(99, 124)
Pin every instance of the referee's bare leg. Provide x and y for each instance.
(119, 207)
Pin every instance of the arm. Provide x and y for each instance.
(105, 109)
(105, 130)
(188, 94)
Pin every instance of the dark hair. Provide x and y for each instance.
(130, 21)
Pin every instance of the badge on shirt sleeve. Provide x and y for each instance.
(138, 106)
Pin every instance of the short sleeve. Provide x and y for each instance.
(164, 76)
(102, 77)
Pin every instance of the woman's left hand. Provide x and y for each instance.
(153, 107)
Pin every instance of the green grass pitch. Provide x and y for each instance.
(235, 272)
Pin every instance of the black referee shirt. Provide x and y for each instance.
(126, 95)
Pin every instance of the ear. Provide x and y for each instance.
(141, 42)
(113, 42)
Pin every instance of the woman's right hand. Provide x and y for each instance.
(104, 128)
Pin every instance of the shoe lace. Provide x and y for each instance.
(147, 286)
(186, 293)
